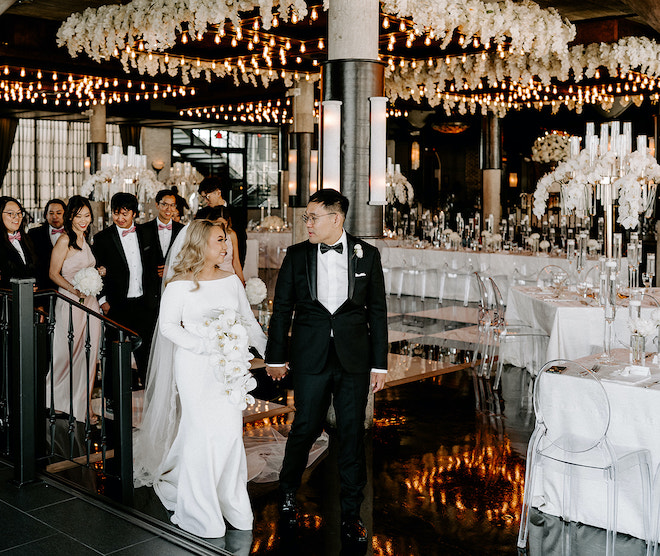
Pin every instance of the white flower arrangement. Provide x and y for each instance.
(105, 183)
(398, 188)
(545, 244)
(357, 251)
(227, 339)
(643, 327)
(88, 281)
(578, 176)
(256, 291)
(551, 147)
(272, 222)
(593, 244)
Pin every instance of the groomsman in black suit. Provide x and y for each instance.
(216, 194)
(44, 237)
(332, 287)
(127, 296)
(160, 234)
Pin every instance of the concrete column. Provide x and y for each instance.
(492, 171)
(352, 75)
(302, 138)
(157, 145)
(98, 140)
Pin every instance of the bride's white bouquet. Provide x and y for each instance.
(228, 339)
(88, 281)
(256, 291)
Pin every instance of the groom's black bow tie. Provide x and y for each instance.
(339, 247)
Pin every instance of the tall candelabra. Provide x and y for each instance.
(607, 171)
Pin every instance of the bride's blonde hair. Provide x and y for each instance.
(193, 250)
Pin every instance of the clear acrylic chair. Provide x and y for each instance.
(504, 332)
(461, 274)
(575, 436)
(485, 327)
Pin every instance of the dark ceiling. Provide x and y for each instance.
(27, 40)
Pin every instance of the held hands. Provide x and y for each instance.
(377, 381)
(277, 373)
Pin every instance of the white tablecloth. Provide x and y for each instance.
(635, 422)
(501, 265)
(575, 330)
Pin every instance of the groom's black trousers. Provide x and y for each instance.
(312, 399)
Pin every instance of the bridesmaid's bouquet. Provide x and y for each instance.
(256, 291)
(228, 339)
(88, 281)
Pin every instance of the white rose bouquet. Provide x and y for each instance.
(643, 327)
(88, 281)
(227, 339)
(256, 291)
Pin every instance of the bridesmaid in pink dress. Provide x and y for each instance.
(72, 253)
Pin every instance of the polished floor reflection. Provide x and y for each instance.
(446, 461)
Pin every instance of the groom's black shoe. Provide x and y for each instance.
(288, 509)
(353, 532)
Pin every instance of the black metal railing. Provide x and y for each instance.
(35, 431)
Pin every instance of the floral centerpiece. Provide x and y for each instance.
(551, 147)
(272, 222)
(399, 189)
(227, 339)
(102, 185)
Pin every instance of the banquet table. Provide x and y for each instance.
(504, 266)
(634, 424)
(272, 246)
(575, 327)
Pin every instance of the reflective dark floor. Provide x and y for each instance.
(445, 458)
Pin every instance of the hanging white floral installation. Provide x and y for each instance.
(551, 147)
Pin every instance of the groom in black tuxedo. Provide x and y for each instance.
(333, 284)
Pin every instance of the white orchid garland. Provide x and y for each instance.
(398, 188)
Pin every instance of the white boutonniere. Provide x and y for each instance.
(357, 251)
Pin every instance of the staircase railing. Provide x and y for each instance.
(35, 435)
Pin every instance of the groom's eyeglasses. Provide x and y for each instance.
(314, 217)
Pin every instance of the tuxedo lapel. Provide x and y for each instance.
(119, 247)
(311, 254)
(350, 242)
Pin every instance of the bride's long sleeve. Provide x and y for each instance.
(171, 313)
(256, 335)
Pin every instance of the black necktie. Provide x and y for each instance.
(339, 247)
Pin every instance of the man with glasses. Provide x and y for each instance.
(331, 287)
(44, 237)
(160, 234)
(216, 193)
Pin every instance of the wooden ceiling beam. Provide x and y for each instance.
(5, 5)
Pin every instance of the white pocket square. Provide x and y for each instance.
(360, 274)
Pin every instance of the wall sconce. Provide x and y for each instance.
(513, 179)
(313, 172)
(331, 144)
(293, 173)
(414, 156)
(87, 165)
(378, 151)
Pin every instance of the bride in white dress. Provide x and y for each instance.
(190, 446)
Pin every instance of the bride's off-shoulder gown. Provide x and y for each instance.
(203, 476)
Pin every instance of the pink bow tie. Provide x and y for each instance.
(131, 230)
(165, 226)
(16, 236)
(57, 231)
